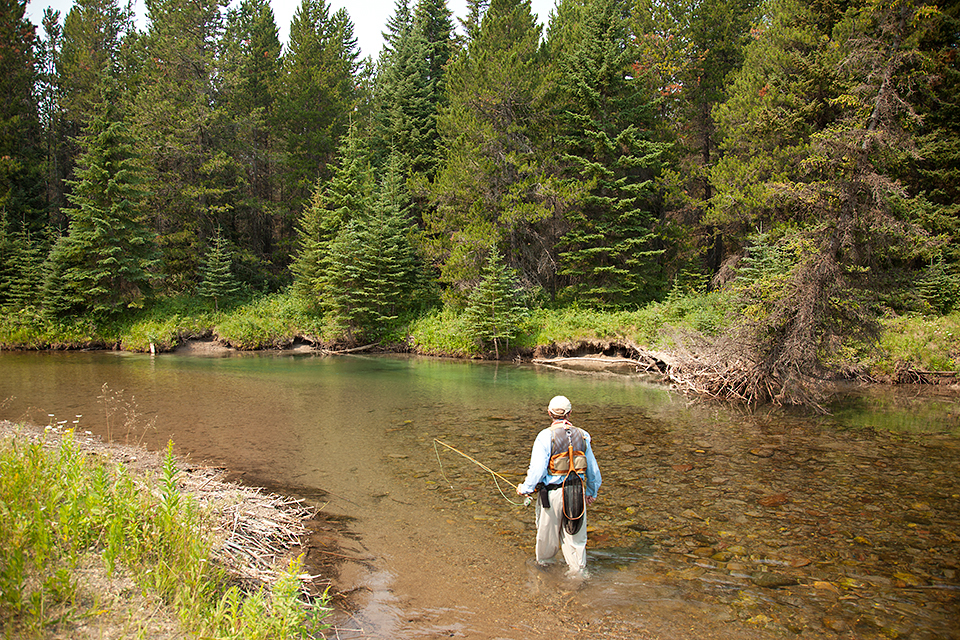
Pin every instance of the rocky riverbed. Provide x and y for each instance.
(791, 526)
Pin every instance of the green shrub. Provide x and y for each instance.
(269, 322)
(443, 332)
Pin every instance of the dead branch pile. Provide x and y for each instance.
(257, 532)
(738, 375)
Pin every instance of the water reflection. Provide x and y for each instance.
(846, 525)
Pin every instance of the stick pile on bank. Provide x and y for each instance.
(257, 531)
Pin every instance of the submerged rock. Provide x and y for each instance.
(771, 580)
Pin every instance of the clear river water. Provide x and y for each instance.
(711, 522)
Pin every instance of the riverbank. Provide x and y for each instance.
(685, 340)
(108, 540)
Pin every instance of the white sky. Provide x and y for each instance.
(369, 16)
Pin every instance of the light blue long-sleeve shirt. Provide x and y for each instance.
(540, 460)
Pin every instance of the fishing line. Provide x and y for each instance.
(496, 476)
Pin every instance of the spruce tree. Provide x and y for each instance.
(21, 157)
(489, 186)
(346, 196)
(318, 94)
(248, 90)
(494, 309)
(219, 284)
(373, 268)
(21, 268)
(815, 120)
(108, 257)
(195, 182)
(609, 257)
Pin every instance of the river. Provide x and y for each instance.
(711, 522)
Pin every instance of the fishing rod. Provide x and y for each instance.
(496, 476)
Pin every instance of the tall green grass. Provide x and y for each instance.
(269, 322)
(920, 342)
(59, 506)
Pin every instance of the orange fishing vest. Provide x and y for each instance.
(567, 449)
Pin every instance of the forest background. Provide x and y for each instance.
(769, 191)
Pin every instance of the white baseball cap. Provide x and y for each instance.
(559, 405)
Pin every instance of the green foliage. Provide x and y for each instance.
(318, 93)
(609, 255)
(345, 197)
(443, 332)
(489, 188)
(178, 129)
(21, 160)
(21, 268)
(918, 342)
(60, 507)
(219, 283)
(104, 263)
(939, 286)
(494, 309)
(269, 322)
(372, 266)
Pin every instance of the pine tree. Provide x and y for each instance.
(494, 310)
(21, 268)
(58, 160)
(689, 49)
(489, 184)
(813, 122)
(195, 182)
(609, 255)
(334, 204)
(247, 92)
(92, 31)
(105, 262)
(318, 94)
(21, 156)
(371, 266)
(219, 284)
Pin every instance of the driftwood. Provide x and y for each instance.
(365, 347)
(648, 362)
(257, 532)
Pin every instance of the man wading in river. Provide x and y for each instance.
(565, 473)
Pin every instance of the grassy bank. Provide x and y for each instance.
(89, 550)
(928, 343)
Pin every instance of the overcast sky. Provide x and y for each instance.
(369, 16)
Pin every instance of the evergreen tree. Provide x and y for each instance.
(247, 92)
(58, 160)
(21, 269)
(219, 284)
(489, 184)
(812, 123)
(494, 311)
(106, 260)
(21, 156)
(609, 255)
(476, 9)
(195, 181)
(318, 95)
(92, 32)
(343, 198)
(409, 88)
(692, 47)
(372, 264)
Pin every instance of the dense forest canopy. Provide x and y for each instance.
(804, 155)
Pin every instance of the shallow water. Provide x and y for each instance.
(711, 522)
